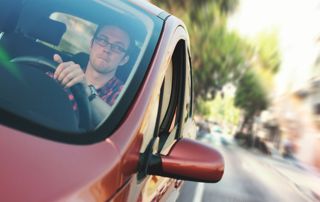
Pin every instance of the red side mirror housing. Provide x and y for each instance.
(189, 160)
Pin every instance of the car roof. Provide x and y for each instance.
(150, 8)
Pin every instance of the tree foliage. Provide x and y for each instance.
(218, 55)
(254, 87)
(192, 6)
(221, 109)
(267, 59)
(267, 49)
(251, 96)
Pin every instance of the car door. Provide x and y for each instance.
(174, 118)
(169, 111)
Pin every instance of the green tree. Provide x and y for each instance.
(267, 48)
(222, 58)
(222, 109)
(267, 58)
(190, 6)
(218, 56)
(251, 97)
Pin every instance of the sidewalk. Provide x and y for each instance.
(304, 178)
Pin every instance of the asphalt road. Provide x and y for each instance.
(249, 177)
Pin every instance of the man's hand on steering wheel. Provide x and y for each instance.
(68, 73)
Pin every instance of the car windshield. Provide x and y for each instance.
(32, 31)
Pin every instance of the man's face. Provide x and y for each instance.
(108, 49)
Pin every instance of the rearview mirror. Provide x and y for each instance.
(189, 160)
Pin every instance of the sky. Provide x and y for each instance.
(297, 22)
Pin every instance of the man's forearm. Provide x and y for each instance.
(99, 108)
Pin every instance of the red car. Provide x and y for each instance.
(53, 148)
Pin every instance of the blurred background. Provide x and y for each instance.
(256, 67)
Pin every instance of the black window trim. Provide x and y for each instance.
(176, 103)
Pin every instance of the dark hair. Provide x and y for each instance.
(131, 39)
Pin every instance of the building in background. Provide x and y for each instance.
(296, 96)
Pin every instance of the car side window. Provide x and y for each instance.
(188, 96)
(172, 98)
(189, 129)
(166, 91)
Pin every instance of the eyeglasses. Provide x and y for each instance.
(113, 47)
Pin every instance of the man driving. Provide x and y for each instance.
(109, 50)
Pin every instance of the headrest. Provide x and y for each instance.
(46, 30)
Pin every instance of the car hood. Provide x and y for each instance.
(36, 169)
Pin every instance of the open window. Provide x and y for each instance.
(172, 99)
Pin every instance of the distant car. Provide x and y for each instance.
(140, 151)
(202, 129)
(217, 129)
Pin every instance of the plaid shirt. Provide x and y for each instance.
(108, 93)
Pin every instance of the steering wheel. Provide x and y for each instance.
(77, 90)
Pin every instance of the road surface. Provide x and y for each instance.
(252, 177)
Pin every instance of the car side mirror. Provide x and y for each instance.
(189, 160)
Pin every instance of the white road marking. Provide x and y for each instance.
(199, 192)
